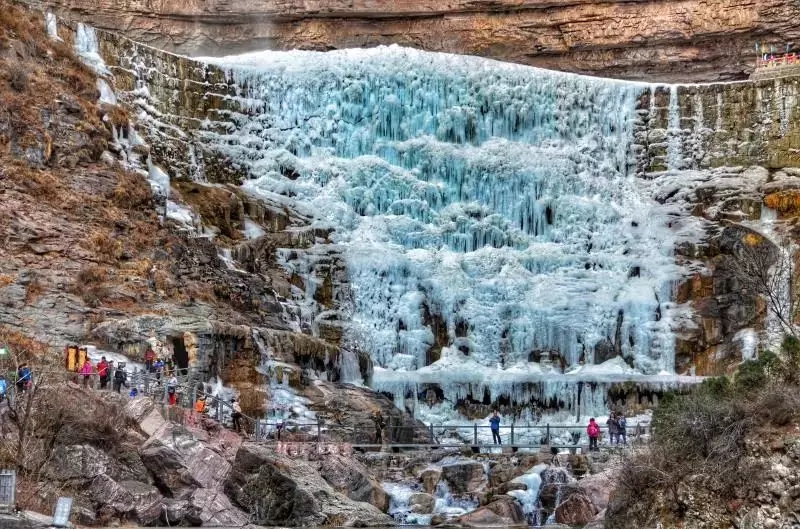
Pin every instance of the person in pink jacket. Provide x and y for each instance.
(86, 372)
(593, 431)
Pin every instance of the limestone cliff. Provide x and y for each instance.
(666, 40)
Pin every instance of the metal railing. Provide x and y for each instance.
(358, 435)
(8, 487)
(518, 435)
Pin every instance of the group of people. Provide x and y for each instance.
(104, 370)
(617, 430)
(24, 378)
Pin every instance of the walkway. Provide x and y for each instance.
(442, 436)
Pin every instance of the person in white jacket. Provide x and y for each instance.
(237, 414)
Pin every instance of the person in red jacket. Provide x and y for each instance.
(102, 371)
(149, 358)
(593, 431)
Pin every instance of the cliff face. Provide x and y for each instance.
(658, 40)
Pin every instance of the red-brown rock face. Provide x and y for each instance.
(666, 40)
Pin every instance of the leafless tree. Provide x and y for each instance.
(768, 270)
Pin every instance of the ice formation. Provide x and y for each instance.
(499, 197)
(88, 49)
(51, 25)
(446, 503)
(529, 498)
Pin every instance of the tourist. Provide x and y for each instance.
(149, 358)
(159, 368)
(279, 428)
(3, 388)
(593, 431)
(24, 377)
(494, 425)
(613, 428)
(172, 391)
(377, 418)
(102, 371)
(120, 377)
(236, 415)
(86, 371)
(622, 426)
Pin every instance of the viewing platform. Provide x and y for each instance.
(787, 65)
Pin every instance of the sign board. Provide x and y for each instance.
(83, 354)
(8, 487)
(71, 358)
(61, 514)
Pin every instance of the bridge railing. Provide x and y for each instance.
(443, 434)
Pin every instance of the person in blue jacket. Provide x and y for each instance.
(494, 425)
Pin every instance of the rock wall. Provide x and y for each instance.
(693, 126)
(668, 40)
(724, 124)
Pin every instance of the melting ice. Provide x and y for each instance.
(499, 197)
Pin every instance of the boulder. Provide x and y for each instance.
(430, 479)
(577, 509)
(278, 490)
(77, 462)
(351, 478)
(127, 499)
(508, 509)
(502, 512)
(174, 511)
(597, 488)
(464, 476)
(507, 468)
(181, 463)
(210, 507)
(422, 503)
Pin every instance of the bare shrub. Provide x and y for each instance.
(18, 78)
(132, 192)
(90, 284)
(105, 246)
(768, 270)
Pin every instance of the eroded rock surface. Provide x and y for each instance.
(657, 40)
(278, 490)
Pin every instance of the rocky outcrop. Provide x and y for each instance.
(577, 509)
(464, 476)
(277, 490)
(663, 40)
(352, 479)
(502, 512)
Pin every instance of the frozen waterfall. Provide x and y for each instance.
(498, 197)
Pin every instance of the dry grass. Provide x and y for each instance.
(117, 115)
(132, 192)
(91, 285)
(34, 289)
(105, 247)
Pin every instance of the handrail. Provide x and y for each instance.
(149, 382)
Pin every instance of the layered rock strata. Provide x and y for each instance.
(664, 40)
